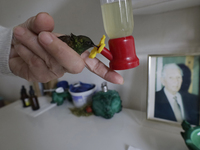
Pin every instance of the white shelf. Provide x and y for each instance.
(58, 129)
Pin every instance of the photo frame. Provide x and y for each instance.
(174, 78)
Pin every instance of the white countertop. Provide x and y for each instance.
(58, 129)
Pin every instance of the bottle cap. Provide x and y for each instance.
(60, 90)
(31, 91)
(23, 89)
(104, 87)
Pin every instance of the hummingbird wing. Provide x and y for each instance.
(67, 40)
(78, 43)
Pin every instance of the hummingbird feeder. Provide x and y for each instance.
(118, 24)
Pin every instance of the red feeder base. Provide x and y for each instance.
(123, 53)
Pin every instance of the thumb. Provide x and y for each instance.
(41, 22)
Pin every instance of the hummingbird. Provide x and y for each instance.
(78, 43)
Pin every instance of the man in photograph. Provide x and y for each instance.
(170, 103)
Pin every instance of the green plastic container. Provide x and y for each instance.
(191, 136)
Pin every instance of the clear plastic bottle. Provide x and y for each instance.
(118, 24)
(117, 17)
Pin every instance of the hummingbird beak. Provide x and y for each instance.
(95, 46)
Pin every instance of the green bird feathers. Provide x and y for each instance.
(78, 43)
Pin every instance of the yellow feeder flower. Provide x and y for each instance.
(96, 50)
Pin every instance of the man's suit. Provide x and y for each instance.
(163, 108)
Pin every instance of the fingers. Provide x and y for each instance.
(40, 22)
(56, 54)
(36, 67)
(102, 70)
(30, 41)
(62, 53)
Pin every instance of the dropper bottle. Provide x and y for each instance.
(24, 97)
(33, 99)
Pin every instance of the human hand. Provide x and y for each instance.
(38, 55)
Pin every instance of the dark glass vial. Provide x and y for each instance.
(1, 102)
(24, 97)
(33, 99)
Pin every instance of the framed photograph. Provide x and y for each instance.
(173, 88)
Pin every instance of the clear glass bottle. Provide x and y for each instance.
(117, 17)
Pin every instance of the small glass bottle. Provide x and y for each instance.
(33, 99)
(24, 97)
(1, 102)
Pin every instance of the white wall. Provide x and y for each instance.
(166, 33)
(170, 32)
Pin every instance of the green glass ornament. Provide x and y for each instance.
(191, 136)
(106, 102)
